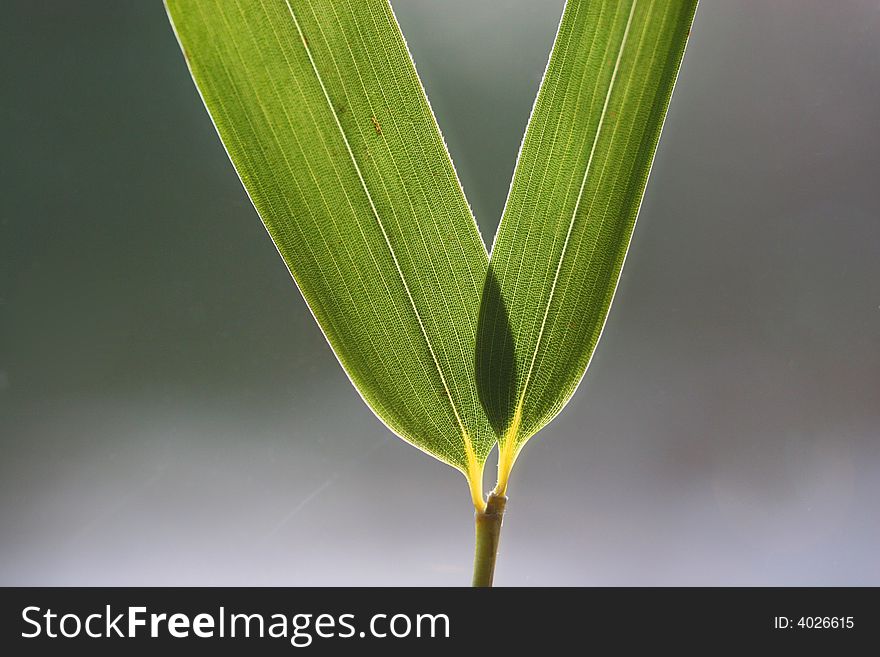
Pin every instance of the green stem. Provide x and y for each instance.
(488, 525)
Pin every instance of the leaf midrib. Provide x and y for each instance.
(515, 424)
(328, 317)
(409, 197)
(464, 433)
(605, 212)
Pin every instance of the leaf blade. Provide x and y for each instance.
(323, 116)
(572, 206)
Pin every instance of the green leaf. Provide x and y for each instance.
(576, 191)
(324, 118)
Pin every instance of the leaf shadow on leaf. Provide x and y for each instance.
(496, 369)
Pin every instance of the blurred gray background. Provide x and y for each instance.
(171, 414)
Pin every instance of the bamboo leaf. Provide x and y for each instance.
(576, 191)
(324, 118)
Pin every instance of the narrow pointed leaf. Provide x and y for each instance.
(578, 184)
(324, 118)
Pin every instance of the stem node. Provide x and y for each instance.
(488, 528)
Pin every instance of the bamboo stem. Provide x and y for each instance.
(488, 526)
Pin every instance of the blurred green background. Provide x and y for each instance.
(171, 414)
